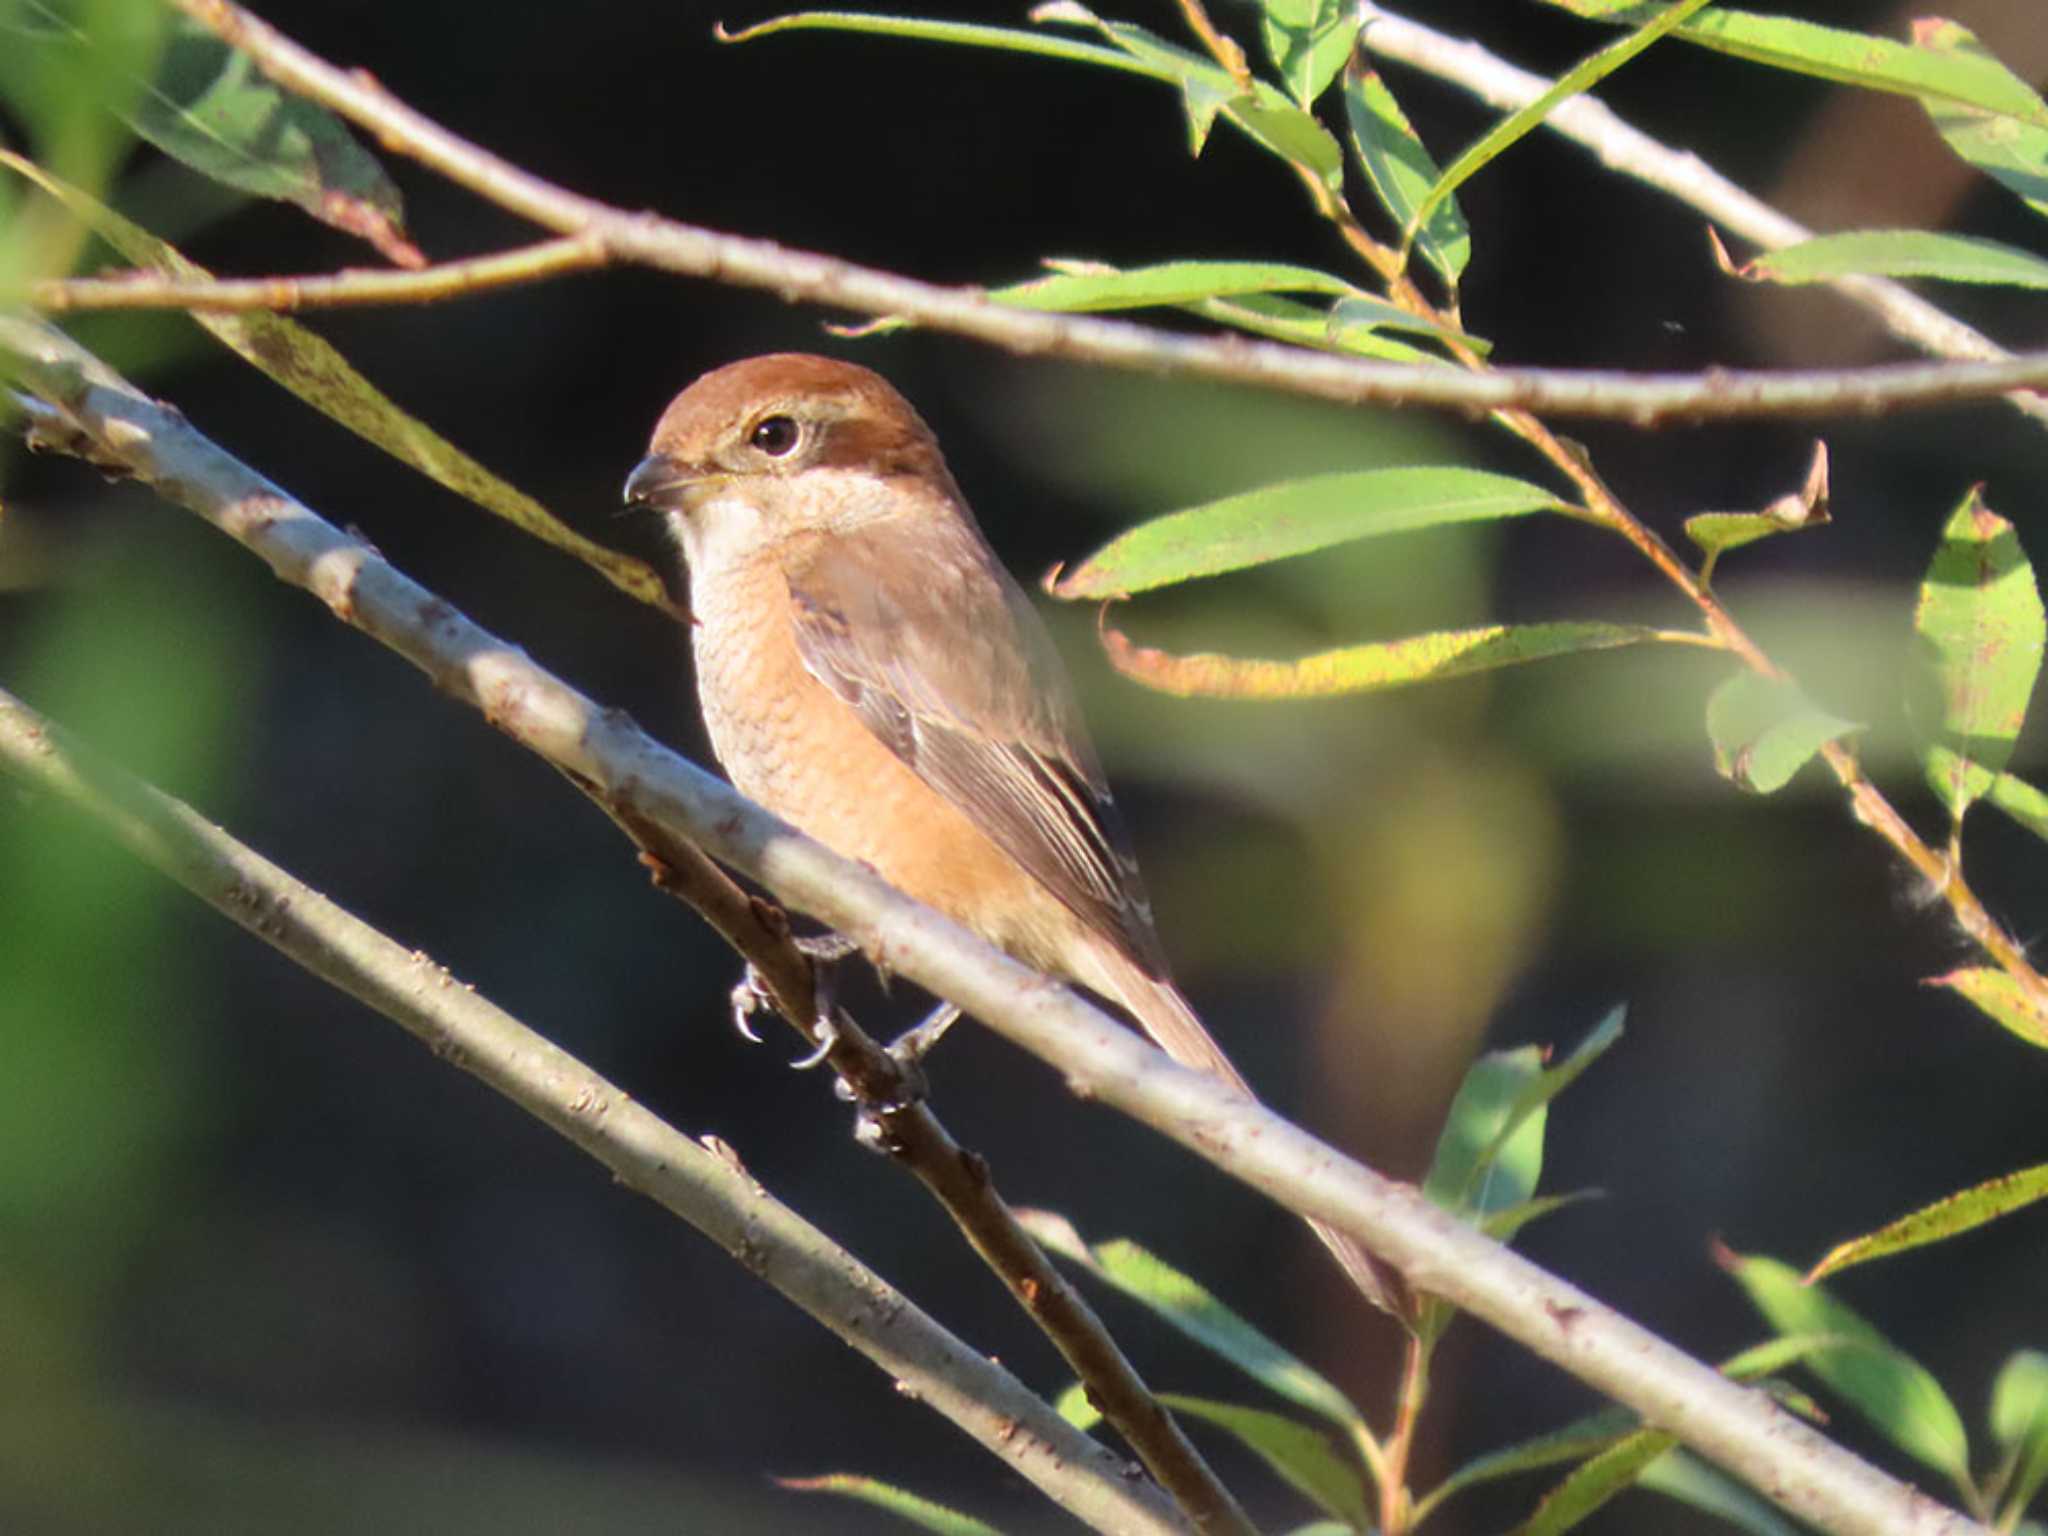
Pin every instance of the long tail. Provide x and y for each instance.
(1174, 1027)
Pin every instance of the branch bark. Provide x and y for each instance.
(95, 413)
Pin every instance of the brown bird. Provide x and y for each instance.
(871, 674)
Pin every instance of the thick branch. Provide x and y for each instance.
(648, 240)
(1741, 1429)
(705, 1184)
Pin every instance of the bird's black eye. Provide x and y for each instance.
(774, 435)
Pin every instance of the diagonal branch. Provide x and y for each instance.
(108, 420)
(703, 1183)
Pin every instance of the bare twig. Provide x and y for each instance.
(704, 1184)
(326, 290)
(1622, 147)
(1742, 1430)
(651, 241)
(905, 1127)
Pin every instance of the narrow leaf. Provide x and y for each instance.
(312, 369)
(1401, 173)
(962, 34)
(1995, 993)
(1764, 731)
(1193, 1311)
(1265, 314)
(1981, 624)
(1848, 58)
(1489, 1155)
(1595, 1481)
(1503, 1225)
(1946, 1217)
(1308, 42)
(1690, 1481)
(2011, 149)
(1888, 1387)
(2021, 801)
(1718, 532)
(1579, 1439)
(1296, 517)
(1371, 668)
(1898, 253)
(1300, 1455)
(2019, 1423)
(921, 1512)
(1078, 287)
(1582, 77)
(214, 110)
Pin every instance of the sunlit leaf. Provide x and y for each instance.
(1366, 668)
(1300, 1455)
(1525, 119)
(1898, 253)
(1308, 42)
(1997, 995)
(1190, 1308)
(2021, 801)
(1401, 172)
(1764, 731)
(1848, 58)
(1593, 1482)
(1946, 1217)
(1579, 1439)
(1884, 1384)
(307, 365)
(1716, 533)
(2011, 148)
(1296, 517)
(1981, 625)
(923, 1513)
(1084, 286)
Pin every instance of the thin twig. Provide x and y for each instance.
(704, 1184)
(645, 239)
(1742, 1430)
(327, 290)
(1627, 149)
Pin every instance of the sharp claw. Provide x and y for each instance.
(749, 997)
(828, 1036)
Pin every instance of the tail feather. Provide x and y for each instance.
(1176, 1029)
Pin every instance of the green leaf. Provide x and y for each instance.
(1265, 314)
(1898, 253)
(1371, 668)
(1300, 1455)
(1593, 1482)
(1077, 287)
(1297, 517)
(1401, 172)
(2019, 1423)
(1718, 532)
(1502, 1225)
(310, 368)
(1692, 1482)
(1981, 624)
(1581, 1438)
(212, 109)
(1764, 731)
(1996, 994)
(1848, 58)
(2005, 146)
(1518, 124)
(2021, 801)
(1890, 1389)
(961, 34)
(1308, 42)
(1073, 1406)
(1193, 1311)
(923, 1513)
(1946, 1217)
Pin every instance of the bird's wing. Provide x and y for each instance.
(941, 656)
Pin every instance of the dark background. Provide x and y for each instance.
(266, 1264)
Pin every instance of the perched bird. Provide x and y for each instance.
(871, 674)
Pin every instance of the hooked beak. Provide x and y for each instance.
(659, 483)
